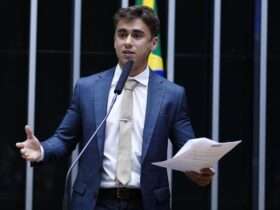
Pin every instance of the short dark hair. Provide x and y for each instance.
(146, 14)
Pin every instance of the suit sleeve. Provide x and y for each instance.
(68, 132)
(181, 129)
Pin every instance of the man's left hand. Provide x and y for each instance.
(203, 178)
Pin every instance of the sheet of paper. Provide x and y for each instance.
(197, 154)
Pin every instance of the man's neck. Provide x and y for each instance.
(137, 70)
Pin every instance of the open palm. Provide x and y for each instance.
(30, 148)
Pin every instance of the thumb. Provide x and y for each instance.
(20, 145)
(28, 131)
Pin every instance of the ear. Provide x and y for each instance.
(154, 42)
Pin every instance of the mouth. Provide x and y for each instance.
(127, 53)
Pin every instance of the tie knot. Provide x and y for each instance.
(130, 84)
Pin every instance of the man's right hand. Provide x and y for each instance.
(30, 148)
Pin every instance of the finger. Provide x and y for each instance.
(194, 177)
(213, 170)
(20, 145)
(28, 131)
(201, 177)
(207, 172)
(203, 184)
(192, 173)
(26, 157)
(204, 178)
(23, 152)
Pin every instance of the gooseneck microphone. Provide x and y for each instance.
(124, 75)
(126, 69)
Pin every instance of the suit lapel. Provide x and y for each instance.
(102, 88)
(154, 99)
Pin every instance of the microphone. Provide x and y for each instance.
(119, 87)
(124, 75)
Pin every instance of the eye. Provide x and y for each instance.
(137, 34)
(122, 34)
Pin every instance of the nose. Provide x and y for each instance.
(128, 40)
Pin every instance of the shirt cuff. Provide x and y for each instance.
(42, 154)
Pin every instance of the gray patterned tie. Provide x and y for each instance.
(124, 148)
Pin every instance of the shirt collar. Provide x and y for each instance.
(142, 78)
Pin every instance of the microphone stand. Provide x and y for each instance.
(66, 188)
(119, 87)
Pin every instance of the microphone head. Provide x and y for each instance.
(128, 65)
(124, 75)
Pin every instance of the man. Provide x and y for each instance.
(116, 171)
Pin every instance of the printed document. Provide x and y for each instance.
(197, 154)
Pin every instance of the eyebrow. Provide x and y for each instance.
(133, 31)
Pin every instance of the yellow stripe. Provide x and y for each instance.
(155, 62)
(149, 3)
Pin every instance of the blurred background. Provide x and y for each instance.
(226, 54)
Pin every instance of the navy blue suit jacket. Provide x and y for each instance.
(166, 117)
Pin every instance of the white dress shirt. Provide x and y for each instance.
(112, 131)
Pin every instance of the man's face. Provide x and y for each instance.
(133, 41)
